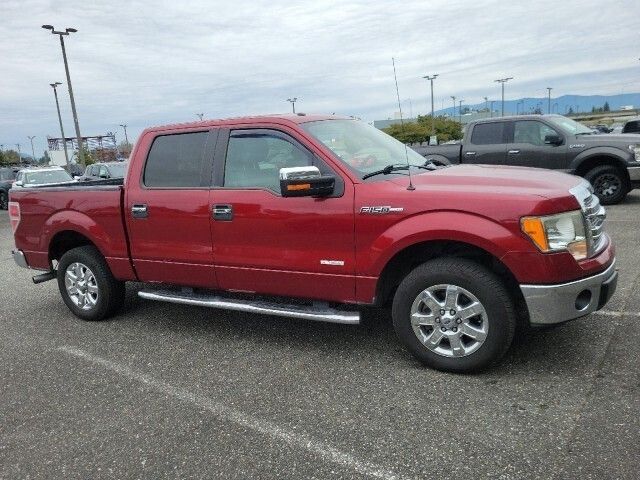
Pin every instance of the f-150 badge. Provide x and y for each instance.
(380, 210)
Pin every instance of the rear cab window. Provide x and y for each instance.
(492, 133)
(178, 161)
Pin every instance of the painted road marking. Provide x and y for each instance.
(610, 313)
(271, 430)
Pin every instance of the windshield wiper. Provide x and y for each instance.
(394, 167)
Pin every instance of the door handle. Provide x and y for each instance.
(469, 153)
(513, 152)
(222, 212)
(139, 210)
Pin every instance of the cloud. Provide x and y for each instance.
(152, 62)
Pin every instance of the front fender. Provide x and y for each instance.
(615, 154)
(495, 238)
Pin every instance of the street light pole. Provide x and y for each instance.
(64, 140)
(549, 99)
(19, 154)
(73, 102)
(502, 81)
(491, 108)
(460, 111)
(33, 152)
(453, 115)
(433, 124)
(126, 138)
(200, 115)
(486, 103)
(293, 103)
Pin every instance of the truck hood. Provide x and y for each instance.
(496, 180)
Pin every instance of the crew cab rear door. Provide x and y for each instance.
(486, 143)
(167, 207)
(266, 243)
(527, 146)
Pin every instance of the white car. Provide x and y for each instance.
(35, 177)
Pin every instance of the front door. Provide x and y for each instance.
(262, 242)
(167, 209)
(527, 146)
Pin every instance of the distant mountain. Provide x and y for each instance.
(580, 103)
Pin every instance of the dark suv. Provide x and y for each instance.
(7, 177)
(102, 171)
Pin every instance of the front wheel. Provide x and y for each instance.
(454, 315)
(608, 184)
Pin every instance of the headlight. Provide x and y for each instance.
(636, 151)
(555, 233)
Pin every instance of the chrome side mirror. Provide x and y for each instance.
(305, 182)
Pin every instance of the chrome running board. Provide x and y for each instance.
(321, 313)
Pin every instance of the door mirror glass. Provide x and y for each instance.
(18, 183)
(553, 139)
(305, 182)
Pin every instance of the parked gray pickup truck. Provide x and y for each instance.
(610, 162)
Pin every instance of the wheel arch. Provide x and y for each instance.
(65, 240)
(405, 260)
(583, 165)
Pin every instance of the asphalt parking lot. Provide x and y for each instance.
(169, 391)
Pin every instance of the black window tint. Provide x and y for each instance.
(176, 161)
(488, 133)
(631, 127)
(254, 160)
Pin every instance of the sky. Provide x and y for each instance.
(154, 62)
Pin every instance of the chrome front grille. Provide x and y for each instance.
(594, 217)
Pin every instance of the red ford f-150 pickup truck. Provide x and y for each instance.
(312, 216)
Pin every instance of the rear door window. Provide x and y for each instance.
(488, 133)
(178, 161)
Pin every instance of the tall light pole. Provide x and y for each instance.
(460, 111)
(549, 99)
(293, 103)
(491, 108)
(126, 138)
(64, 140)
(486, 103)
(502, 81)
(19, 154)
(433, 124)
(200, 115)
(33, 152)
(73, 102)
(453, 115)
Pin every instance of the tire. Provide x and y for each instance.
(491, 325)
(84, 270)
(608, 183)
(4, 200)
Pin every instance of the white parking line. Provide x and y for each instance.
(324, 450)
(610, 313)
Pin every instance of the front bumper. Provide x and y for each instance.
(549, 304)
(19, 258)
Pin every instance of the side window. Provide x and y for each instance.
(531, 131)
(488, 133)
(254, 160)
(631, 127)
(177, 161)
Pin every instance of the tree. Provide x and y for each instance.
(606, 107)
(571, 112)
(421, 130)
(9, 157)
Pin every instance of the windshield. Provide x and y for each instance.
(363, 148)
(569, 126)
(118, 170)
(46, 176)
(7, 174)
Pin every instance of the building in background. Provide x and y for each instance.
(103, 148)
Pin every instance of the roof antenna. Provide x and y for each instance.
(406, 153)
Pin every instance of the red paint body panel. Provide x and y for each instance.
(285, 246)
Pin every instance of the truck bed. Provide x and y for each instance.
(52, 213)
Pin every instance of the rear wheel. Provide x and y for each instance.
(87, 285)
(608, 184)
(4, 200)
(454, 315)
